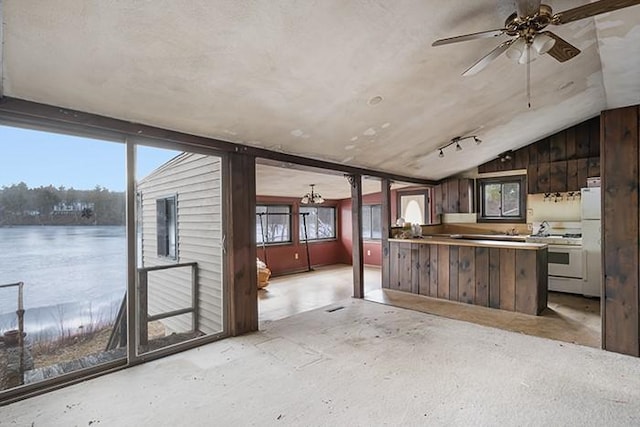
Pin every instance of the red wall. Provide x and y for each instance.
(281, 257)
(371, 250)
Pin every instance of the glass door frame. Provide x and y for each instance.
(133, 301)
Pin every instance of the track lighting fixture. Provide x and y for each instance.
(456, 140)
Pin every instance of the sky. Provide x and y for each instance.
(41, 159)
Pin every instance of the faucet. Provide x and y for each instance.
(544, 228)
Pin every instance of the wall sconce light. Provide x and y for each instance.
(456, 140)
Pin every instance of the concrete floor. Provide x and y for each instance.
(365, 364)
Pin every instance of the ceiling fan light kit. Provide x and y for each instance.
(526, 26)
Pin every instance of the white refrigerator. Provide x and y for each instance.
(591, 241)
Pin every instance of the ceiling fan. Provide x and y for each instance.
(526, 27)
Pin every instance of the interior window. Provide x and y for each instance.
(273, 223)
(371, 222)
(502, 199)
(320, 223)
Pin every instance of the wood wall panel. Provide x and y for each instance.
(453, 272)
(544, 150)
(394, 259)
(481, 296)
(424, 268)
(593, 167)
(415, 268)
(404, 267)
(572, 175)
(494, 278)
(453, 195)
(621, 230)
(466, 274)
(558, 147)
(526, 271)
(543, 178)
(507, 279)
(549, 161)
(443, 271)
(558, 177)
(582, 140)
(570, 139)
(433, 272)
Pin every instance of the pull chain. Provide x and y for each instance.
(528, 53)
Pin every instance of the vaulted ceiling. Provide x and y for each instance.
(354, 82)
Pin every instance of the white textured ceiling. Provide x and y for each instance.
(297, 76)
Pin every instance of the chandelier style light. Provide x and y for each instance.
(312, 198)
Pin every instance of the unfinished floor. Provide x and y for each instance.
(365, 364)
(569, 318)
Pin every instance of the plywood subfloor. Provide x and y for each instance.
(568, 318)
(367, 364)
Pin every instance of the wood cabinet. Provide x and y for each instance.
(561, 176)
(508, 278)
(454, 196)
(559, 163)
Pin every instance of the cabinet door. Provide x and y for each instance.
(543, 178)
(453, 194)
(465, 198)
(572, 176)
(558, 177)
(583, 172)
(532, 179)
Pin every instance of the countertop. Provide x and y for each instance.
(487, 241)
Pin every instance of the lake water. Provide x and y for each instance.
(72, 275)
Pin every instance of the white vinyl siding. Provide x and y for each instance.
(195, 181)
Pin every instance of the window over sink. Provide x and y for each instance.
(502, 199)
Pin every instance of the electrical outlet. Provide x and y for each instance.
(368, 252)
(530, 227)
(295, 255)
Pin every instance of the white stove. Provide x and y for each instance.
(566, 260)
(557, 233)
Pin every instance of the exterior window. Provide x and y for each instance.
(321, 223)
(271, 227)
(167, 227)
(502, 199)
(371, 222)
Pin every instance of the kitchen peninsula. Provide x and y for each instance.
(507, 275)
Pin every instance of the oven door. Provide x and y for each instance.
(565, 261)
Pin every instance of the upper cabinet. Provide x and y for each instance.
(454, 196)
(561, 162)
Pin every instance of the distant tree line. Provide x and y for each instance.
(21, 205)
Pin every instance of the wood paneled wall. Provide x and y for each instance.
(508, 279)
(560, 162)
(621, 230)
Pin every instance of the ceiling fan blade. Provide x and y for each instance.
(528, 7)
(472, 36)
(562, 50)
(591, 9)
(488, 58)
